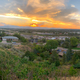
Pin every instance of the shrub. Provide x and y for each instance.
(30, 55)
(72, 71)
(77, 65)
(54, 58)
(45, 55)
(25, 60)
(39, 59)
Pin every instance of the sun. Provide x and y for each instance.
(34, 25)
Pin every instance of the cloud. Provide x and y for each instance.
(20, 10)
(72, 5)
(1, 24)
(44, 1)
(63, 15)
(51, 3)
(45, 13)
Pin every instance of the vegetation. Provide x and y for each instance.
(21, 38)
(69, 54)
(40, 62)
(73, 41)
(51, 44)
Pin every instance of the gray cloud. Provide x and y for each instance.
(65, 12)
(44, 1)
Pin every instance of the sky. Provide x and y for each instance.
(64, 14)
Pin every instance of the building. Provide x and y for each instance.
(9, 38)
(61, 51)
(78, 46)
(34, 40)
(60, 38)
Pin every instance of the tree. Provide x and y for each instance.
(38, 49)
(73, 41)
(76, 56)
(54, 58)
(45, 55)
(64, 58)
(66, 43)
(26, 54)
(43, 40)
(69, 54)
(51, 44)
(30, 55)
(72, 71)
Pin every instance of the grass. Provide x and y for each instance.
(76, 48)
(0, 40)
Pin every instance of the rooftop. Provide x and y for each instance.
(10, 37)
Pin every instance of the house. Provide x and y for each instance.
(9, 38)
(61, 51)
(78, 46)
(60, 54)
(33, 40)
(9, 33)
(60, 38)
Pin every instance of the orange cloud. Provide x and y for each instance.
(1, 24)
(20, 10)
(17, 20)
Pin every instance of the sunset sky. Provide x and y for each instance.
(63, 14)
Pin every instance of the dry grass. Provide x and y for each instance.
(23, 48)
(66, 78)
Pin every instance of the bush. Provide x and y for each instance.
(77, 65)
(39, 59)
(30, 55)
(25, 59)
(54, 58)
(72, 71)
(45, 55)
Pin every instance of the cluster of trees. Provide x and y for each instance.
(68, 56)
(73, 41)
(52, 58)
(2, 34)
(72, 57)
(45, 52)
(43, 40)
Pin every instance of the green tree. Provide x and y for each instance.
(69, 54)
(64, 58)
(54, 58)
(30, 55)
(38, 49)
(73, 41)
(76, 56)
(26, 54)
(66, 43)
(51, 44)
(45, 55)
(43, 40)
(72, 71)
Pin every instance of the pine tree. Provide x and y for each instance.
(54, 58)
(69, 54)
(64, 58)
